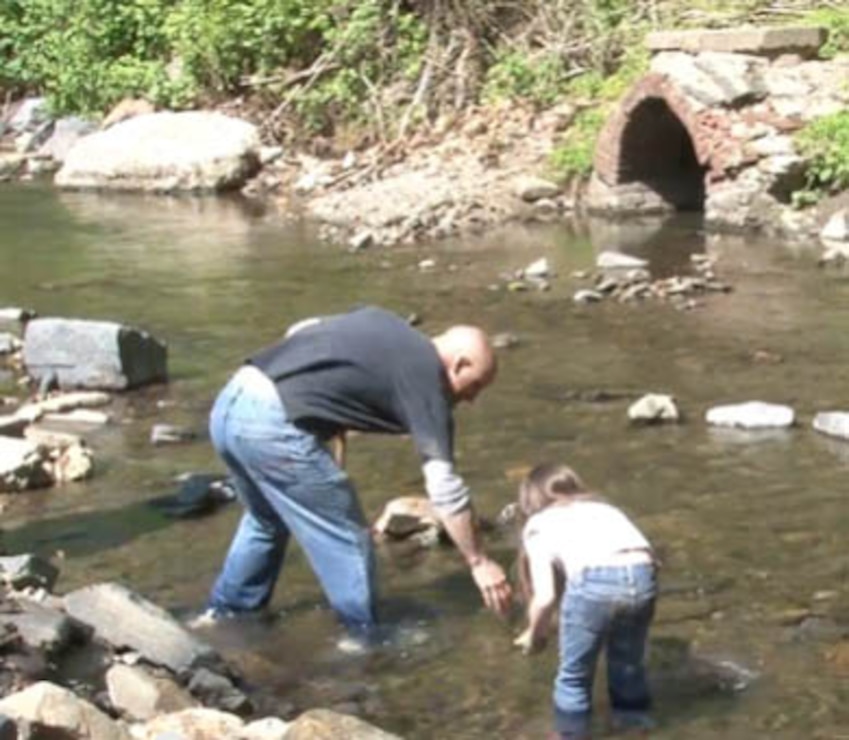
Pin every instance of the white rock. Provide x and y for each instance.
(269, 154)
(192, 724)
(837, 228)
(751, 415)
(269, 728)
(538, 269)
(618, 260)
(165, 152)
(832, 423)
(531, 189)
(142, 696)
(87, 417)
(654, 407)
(60, 710)
(587, 296)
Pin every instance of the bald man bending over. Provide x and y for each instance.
(366, 370)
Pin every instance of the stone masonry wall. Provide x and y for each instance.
(738, 97)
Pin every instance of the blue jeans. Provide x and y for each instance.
(604, 607)
(288, 483)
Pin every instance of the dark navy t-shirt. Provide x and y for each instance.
(367, 370)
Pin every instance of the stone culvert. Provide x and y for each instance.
(710, 127)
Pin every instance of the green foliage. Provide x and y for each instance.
(515, 75)
(374, 44)
(84, 54)
(573, 157)
(825, 142)
(219, 41)
(836, 21)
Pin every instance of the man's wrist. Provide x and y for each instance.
(475, 560)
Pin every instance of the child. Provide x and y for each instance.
(573, 541)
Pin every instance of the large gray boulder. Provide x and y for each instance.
(165, 152)
(92, 354)
(124, 619)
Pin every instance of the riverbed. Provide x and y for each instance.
(751, 526)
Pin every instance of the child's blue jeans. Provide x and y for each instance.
(288, 483)
(604, 607)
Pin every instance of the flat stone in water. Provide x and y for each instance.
(751, 415)
(832, 423)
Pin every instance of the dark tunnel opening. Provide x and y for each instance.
(657, 150)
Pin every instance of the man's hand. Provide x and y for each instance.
(492, 583)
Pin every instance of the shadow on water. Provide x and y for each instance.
(85, 533)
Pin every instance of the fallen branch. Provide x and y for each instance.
(324, 64)
(287, 80)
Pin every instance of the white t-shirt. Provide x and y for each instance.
(575, 536)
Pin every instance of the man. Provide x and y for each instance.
(366, 370)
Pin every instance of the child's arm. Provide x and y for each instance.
(543, 601)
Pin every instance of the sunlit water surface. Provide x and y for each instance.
(752, 527)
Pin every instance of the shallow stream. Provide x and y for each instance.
(752, 527)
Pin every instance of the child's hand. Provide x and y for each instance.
(526, 642)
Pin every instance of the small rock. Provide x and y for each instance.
(617, 261)
(837, 227)
(504, 340)
(361, 240)
(407, 515)
(832, 423)
(587, 296)
(162, 434)
(531, 189)
(653, 407)
(27, 571)
(538, 269)
(269, 154)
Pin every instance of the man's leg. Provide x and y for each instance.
(256, 553)
(323, 514)
(243, 415)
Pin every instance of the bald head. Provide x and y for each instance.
(468, 359)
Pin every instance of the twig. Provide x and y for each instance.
(289, 79)
(321, 66)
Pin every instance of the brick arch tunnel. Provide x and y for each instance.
(648, 152)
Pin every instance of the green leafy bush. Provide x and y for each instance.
(836, 21)
(825, 142)
(219, 41)
(372, 46)
(573, 157)
(84, 54)
(515, 75)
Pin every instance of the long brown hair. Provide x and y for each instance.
(546, 485)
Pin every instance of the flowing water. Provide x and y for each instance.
(752, 527)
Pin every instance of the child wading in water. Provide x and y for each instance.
(608, 598)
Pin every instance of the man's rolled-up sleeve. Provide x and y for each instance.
(445, 488)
